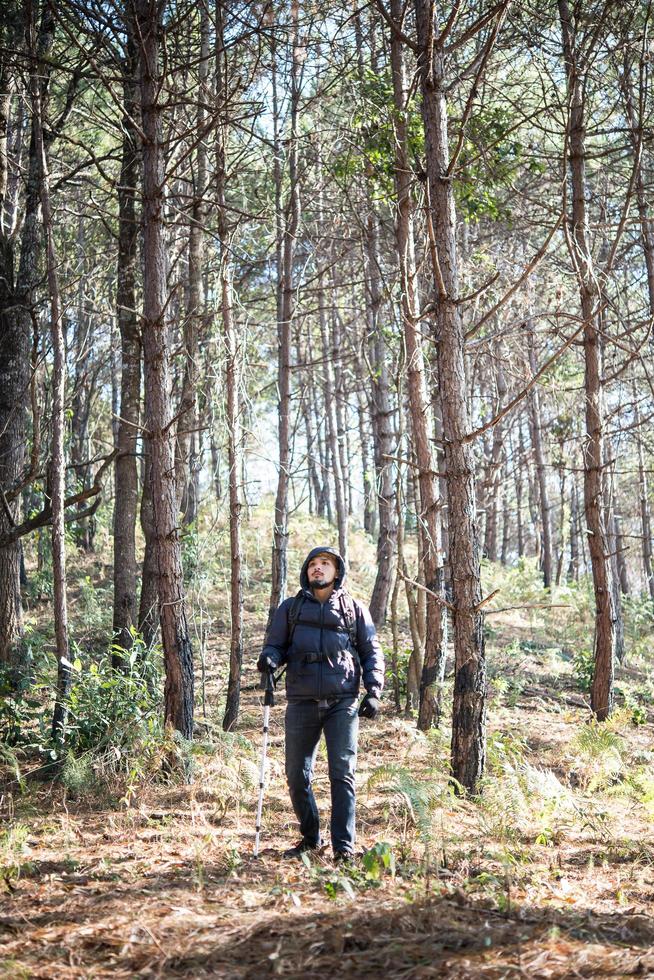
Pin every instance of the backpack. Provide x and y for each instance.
(348, 613)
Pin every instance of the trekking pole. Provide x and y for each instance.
(268, 702)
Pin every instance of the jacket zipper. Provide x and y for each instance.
(322, 620)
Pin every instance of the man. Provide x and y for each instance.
(328, 642)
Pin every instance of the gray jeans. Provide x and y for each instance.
(305, 722)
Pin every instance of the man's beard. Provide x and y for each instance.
(319, 583)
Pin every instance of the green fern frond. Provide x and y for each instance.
(596, 739)
(419, 797)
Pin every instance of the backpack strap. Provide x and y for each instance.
(348, 613)
(346, 602)
(294, 614)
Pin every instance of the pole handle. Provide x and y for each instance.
(268, 684)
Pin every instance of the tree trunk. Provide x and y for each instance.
(232, 384)
(383, 435)
(519, 483)
(178, 654)
(367, 478)
(429, 527)
(125, 617)
(58, 464)
(469, 710)
(15, 343)
(329, 352)
(602, 684)
(492, 484)
(573, 567)
(185, 461)
(286, 238)
(536, 432)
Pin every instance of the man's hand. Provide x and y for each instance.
(369, 707)
(266, 664)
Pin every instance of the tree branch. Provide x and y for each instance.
(44, 517)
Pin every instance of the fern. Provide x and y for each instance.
(420, 798)
(9, 757)
(600, 749)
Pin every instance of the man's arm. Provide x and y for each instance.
(370, 652)
(275, 644)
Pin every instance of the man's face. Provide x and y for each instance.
(321, 571)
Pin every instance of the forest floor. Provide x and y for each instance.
(548, 873)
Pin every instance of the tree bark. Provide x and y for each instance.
(429, 527)
(286, 240)
(58, 463)
(536, 432)
(125, 614)
(178, 654)
(232, 384)
(573, 566)
(332, 429)
(16, 286)
(604, 646)
(383, 435)
(469, 710)
(185, 462)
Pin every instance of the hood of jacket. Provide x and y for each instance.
(340, 573)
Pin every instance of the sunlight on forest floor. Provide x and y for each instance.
(548, 873)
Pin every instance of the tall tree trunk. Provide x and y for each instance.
(429, 527)
(602, 684)
(125, 615)
(232, 384)
(469, 710)
(536, 432)
(178, 654)
(495, 460)
(519, 484)
(149, 599)
(383, 442)
(185, 462)
(16, 286)
(286, 238)
(340, 404)
(83, 385)
(573, 567)
(329, 352)
(379, 384)
(58, 463)
(562, 489)
(367, 478)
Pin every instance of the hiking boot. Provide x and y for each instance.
(343, 857)
(300, 848)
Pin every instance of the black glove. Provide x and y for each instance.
(369, 707)
(266, 664)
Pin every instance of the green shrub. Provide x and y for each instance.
(117, 713)
(21, 709)
(583, 668)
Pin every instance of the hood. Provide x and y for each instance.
(340, 574)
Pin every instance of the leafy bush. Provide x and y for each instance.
(379, 859)
(116, 713)
(583, 668)
(21, 709)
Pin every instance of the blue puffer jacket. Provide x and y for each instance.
(321, 661)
